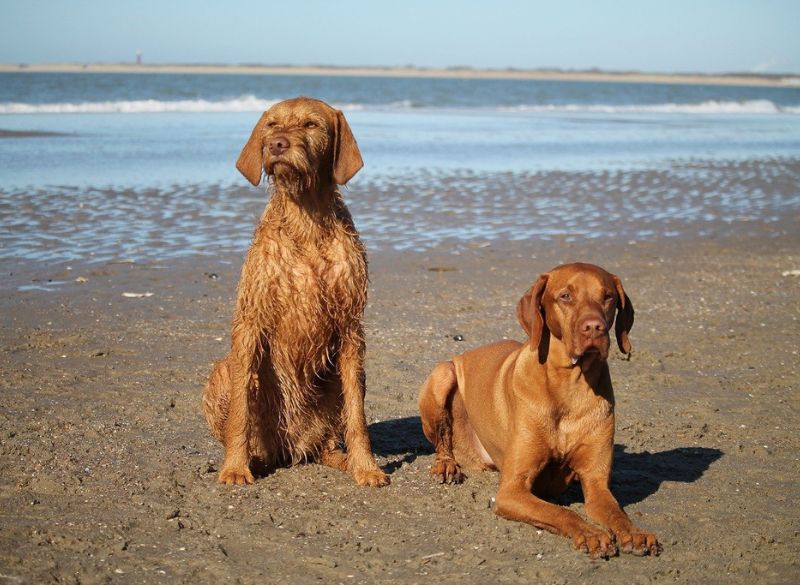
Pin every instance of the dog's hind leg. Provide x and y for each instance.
(216, 397)
(332, 455)
(436, 412)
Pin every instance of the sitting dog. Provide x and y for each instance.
(542, 412)
(292, 386)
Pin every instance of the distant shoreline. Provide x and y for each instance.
(453, 73)
(29, 134)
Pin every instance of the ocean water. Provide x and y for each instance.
(161, 148)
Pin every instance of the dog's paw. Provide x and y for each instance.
(595, 543)
(371, 477)
(335, 459)
(447, 471)
(639, 543)
(236, 476)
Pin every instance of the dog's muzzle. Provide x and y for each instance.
(278, 145)
(592, 339)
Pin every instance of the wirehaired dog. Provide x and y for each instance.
(542, 412)
(292, 387)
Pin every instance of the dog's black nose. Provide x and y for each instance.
(278, 145)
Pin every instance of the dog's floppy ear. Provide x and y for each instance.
(624, 317)
(529, 311)
(251, 161)
(346, 156)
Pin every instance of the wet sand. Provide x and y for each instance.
(109, 473)
(416, 211)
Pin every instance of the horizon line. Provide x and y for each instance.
(456, 71)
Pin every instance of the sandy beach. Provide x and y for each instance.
(109, 474)
(660, 142)
(125, 224)
(744, 79)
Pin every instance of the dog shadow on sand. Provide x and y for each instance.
(636, 476)
(399, 436)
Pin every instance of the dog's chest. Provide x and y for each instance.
(341, 271)
(572, 427)
(314, 286)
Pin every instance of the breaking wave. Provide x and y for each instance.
(251, 103)
(707, 107)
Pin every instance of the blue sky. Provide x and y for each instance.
(668, 35)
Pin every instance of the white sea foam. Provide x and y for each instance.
(706, 107)
(251, 103)
(247, 103)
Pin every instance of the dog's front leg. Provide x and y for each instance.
(515, 501)
(236, 467)
(594, 470)
(360, 461)
(602, 507)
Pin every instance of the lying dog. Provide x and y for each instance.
(292, 386)
(542, 412)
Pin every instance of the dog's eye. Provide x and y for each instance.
(565, 296)
(310, 124)
(271, 124)
(608, 297)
